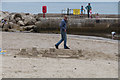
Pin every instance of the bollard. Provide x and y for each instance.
(67, 11)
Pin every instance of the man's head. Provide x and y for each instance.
(65, 17)
(89, 4)
(5, 20)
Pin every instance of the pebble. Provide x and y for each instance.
(15, 56)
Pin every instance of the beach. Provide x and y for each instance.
(99, 57)
(29, 32)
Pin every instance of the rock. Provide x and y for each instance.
(21, 23)
(3, 14)
(30, 23)
(18, 16)
(28, 28)
(1, 25)
(38, 26)
(17, 19)
(38, 23)
(31, 30)
(27, 13)
(14, 56)
(13, 21)
(7, 26)
(11, 24)
(15, 26)
(108, 62)
(21, 29)
(11, 16)
(29, 20)
(37, 17)
(6, 29)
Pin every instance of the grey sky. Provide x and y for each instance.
(60, 0)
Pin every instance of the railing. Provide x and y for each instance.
(70, 12)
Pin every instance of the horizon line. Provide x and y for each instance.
(59, 1)
(30, 1)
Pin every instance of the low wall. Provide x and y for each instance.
(79, 25)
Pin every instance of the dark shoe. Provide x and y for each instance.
(56, 46)
(67, 48)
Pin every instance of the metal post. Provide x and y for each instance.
(67, 11)
(43, 15)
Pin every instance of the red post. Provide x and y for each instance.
(43, 15)
(44, 10)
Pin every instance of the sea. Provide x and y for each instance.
(57, 7)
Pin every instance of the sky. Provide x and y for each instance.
(60, 0)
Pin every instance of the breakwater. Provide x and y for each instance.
(50, 24)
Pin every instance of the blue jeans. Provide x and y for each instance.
(63, 38)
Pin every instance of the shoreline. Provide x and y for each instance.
(71, 35)
(95, 36)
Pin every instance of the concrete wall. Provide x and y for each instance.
(106, 25)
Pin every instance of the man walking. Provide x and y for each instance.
(63, 31)
(88, 9)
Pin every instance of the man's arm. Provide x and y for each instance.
(62, 25)
(86, 7)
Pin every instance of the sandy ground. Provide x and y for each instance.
(0, 55)
(99, 58)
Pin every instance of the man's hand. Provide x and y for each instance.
(65, 30)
